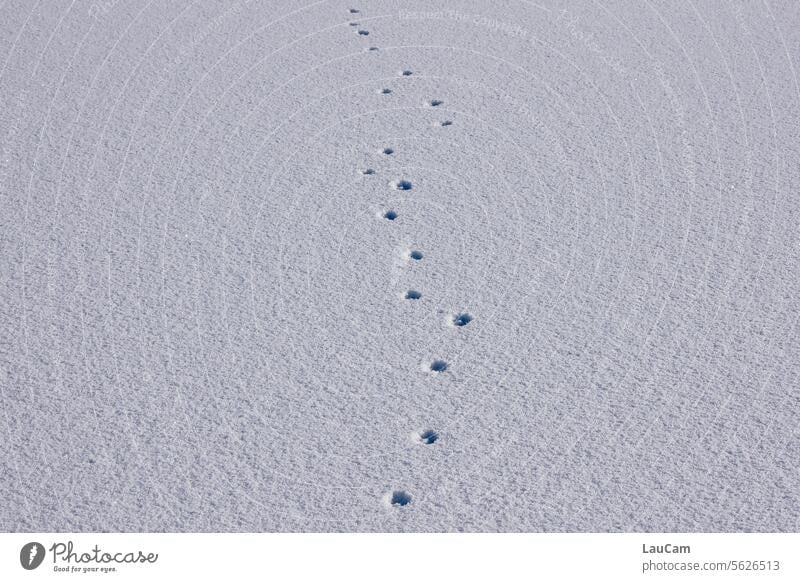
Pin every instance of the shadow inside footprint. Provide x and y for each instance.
(438, 366)
(428, 437)
(363, 32)
(406, 73)
(435, 102)
(390, 215)
(415, 255)
(399, 498)
(401, 185)
(387, 151)
(411, 294)
(461, 319)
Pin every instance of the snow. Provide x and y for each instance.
(463, 266)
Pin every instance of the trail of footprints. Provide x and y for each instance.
(426, 437)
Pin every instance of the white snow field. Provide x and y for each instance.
(399, 266)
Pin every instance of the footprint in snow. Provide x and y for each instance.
(438, 366)
(398, 498)
(427, 437)
(401, 184)
(460, 319)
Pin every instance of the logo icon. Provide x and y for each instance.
(31, 555)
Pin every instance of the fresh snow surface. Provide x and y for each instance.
(399, 266)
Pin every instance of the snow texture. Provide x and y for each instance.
(399, 266)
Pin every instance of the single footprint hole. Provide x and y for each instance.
(401, 185)
(411, 294)
(415, 255)
(400, 498)
(445, 123)
(438, 366)
(406, 73)
(428, 437)
(368, 171)
(354, 11)
(435, 102)
(386, 91)
(388, 151)
(355, 24)
(390, 215)
(363, 32)
(372, 49)
(461, 319)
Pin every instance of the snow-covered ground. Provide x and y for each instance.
(399, 266)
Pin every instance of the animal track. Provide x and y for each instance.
(354, 11)
(368, 171)
(372, 49)
(427, 437)
(363, 32)
(355, 24)
(399, 498)
(438, 366)
(401, 184)
(460, 319)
